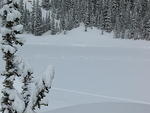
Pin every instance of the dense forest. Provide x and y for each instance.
(126, 18)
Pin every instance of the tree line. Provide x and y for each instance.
(125, 18)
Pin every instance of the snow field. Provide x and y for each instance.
(91, 68)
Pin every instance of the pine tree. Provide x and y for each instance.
(38, 19)
(144, 4)
(33, 17)
(24, 18)
(98, 14)
(21, 9)
(53, 30)
(87, 16)
(146, 27)
(11, 27)
(107, 24)
(114, 11)
(12, 101)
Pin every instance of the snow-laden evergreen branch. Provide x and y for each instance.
(41, 88)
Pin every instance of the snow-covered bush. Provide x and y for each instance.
(33, 92)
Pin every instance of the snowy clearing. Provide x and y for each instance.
(91, 68)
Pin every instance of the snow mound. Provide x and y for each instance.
(105, 108)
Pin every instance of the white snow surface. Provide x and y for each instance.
(105, 108)
(48, 76)
(93, 71)
(7, 48)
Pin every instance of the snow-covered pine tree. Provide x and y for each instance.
(146, 28)
(122, 18)
(107, 24)
(144, 4)
(75, 14)
(86, 17)
(114, 11)
(24, 20)
(133, 25)
(98, 14)
(33, 92)
(48, 21)
(38, 19)
(33, 16)
(11, 27)
(53, 30)
(21, 9)
(82, 8)
(29, 24)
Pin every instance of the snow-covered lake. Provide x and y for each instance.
(91, 68)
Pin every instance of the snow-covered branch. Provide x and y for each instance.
(42, 84)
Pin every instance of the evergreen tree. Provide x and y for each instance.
(106, 22)
(53, 30)
(38, 19)
(21, 9)
(33, 17)
(11, 27)
(12, 101)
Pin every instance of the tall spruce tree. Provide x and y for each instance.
(33, 16)
(12, 101)
(11, 27)
(38, 19)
